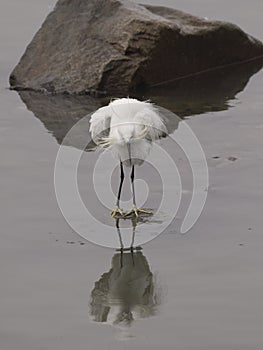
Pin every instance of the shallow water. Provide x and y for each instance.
(202, 290)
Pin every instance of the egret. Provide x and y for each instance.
(128, 127)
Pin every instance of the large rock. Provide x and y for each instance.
(116, 47)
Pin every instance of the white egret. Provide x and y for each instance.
(127, 127)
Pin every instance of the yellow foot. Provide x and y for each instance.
(117, 211)
(136, 211)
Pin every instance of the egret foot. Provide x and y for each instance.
(136, 211)
(117, 212)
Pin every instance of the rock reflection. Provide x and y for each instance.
(210, 91)
(59, 113)
(206, 92)
(127, 292)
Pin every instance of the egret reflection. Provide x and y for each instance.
(128, 291)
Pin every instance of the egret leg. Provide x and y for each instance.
(133, 189)
(119, 233)
(134, 223)
(117, 210)
(136, 211)
(121, 243)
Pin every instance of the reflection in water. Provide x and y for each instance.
(207, 92)
(210, 91)
(59, 113)
(127, 292)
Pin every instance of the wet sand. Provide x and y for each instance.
(209, 281)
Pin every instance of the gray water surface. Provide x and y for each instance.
(202, 290)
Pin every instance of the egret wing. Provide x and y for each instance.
(152, 123)
(100, 124)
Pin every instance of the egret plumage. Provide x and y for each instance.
(128, 127)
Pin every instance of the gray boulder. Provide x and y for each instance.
(116, 47)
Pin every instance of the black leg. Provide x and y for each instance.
(135, 211)
(132, 182)
(132, 256)
(119, 233)
(134, 222)
(120, 187)
(132, 173)
(117, 211)
(121, 243)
